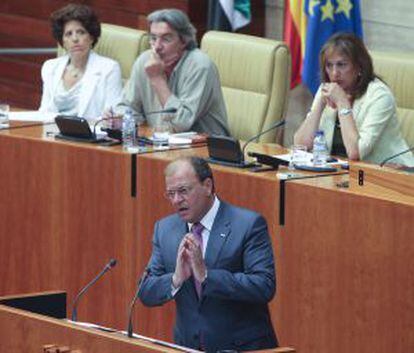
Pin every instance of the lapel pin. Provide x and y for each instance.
(222, 235)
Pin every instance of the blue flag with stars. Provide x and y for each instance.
(324, 18)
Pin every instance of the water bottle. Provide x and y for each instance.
(128, 131)
(320, 150)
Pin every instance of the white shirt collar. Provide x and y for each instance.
(208, 219)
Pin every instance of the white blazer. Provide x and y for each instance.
(101, 85)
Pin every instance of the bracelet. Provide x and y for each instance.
(345, 111)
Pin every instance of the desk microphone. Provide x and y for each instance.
(396, 155)
(108, 266)
(145, 274)
(164, 111)
(274, 126)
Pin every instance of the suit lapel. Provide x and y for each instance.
(178, 230)
(218, 235)
(89, 82)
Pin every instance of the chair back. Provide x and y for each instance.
(397, 70)
(122, 44)
(255, 79)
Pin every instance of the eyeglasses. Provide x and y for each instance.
(182, 191)
(165, 39)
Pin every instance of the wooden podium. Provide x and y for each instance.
(34, 323)
(22, 330)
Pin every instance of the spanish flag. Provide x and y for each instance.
(308, 25)
(295, 36)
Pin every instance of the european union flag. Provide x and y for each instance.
(324, 18)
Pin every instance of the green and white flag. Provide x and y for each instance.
(237, 12)
(228, 15)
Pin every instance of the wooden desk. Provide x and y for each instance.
(382, 182)
(346, 270)
(66, 210)
(23, 331)
(343, 256)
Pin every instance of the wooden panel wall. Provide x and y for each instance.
(25, 24)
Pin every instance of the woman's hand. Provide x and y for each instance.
(334, 96)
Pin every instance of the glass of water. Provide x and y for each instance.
(160, 135)
(4, 115)
(297, 156)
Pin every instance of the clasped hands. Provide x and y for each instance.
(189, 261)
(334, 95)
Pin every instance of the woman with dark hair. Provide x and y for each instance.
(354, 108)
(80, 83)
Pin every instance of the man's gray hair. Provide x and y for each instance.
(179, 21)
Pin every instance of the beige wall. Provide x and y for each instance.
(387, 25)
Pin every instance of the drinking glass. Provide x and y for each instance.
(4, 115)
(297, 156)
(160, 135)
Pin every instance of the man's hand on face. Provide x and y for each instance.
(155, 67)
(182, 268)
(195, 255)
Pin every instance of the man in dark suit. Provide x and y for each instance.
(216, 261)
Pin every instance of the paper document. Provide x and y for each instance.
(182, 138)
(163, 343)
(172, 140)
(308, 159)
(187, 134)
(91, 325)
(33, 115)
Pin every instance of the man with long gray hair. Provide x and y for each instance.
(175, 74)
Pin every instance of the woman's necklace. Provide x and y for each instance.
(74, 72)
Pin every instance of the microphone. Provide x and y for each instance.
(274, 126)
(108, 266)
(145, 274)
(395, 156)
(97, 122)
(164, 111)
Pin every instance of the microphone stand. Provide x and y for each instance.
(97, 122)
(275, 126)
(132, 305)
(107, 267)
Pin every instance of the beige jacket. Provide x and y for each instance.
(375, 116)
